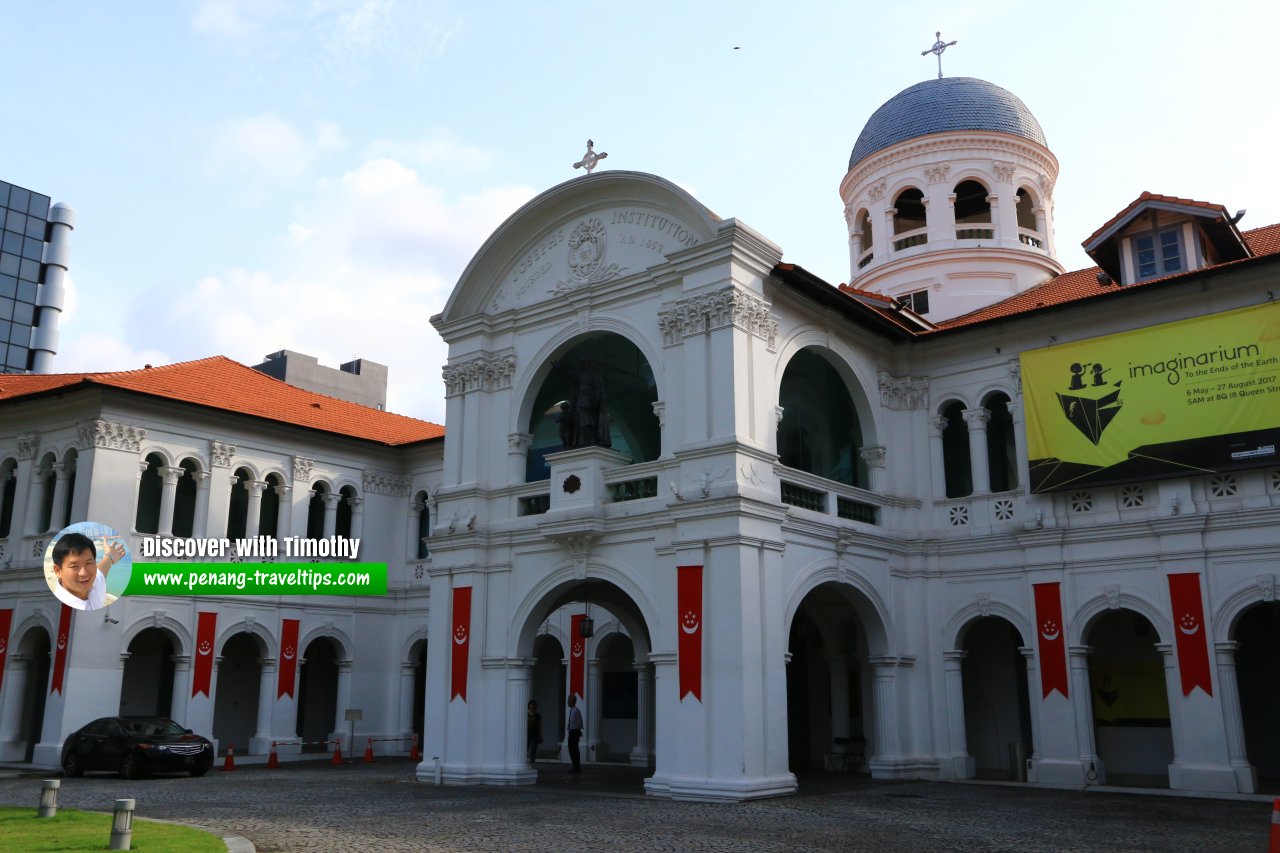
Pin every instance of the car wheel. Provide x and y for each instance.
(71, 766)
(130, 768)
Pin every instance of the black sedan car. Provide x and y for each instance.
(134, 746)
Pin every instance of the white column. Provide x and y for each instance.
(887, 231)
(1233, 720)
(357, 517)
(344, 703)
(253, 513)
(11, 701)
(181, 689)
(938, 454)
(284, 512)
(1033, 698)
(1172, 686)
(261, 743)
(517, 755)
(200, 524)
(36, 500)
(962, 763)
(874, 459)
(1082, 702)
(414, 521)
(644, 714)
(518, 444)
(408, 669)
(59, 497)
(595, 706)
(976, 420)
(234, 481)
(1019, 444)
(330, 513)
(168, 494)
(885, 700)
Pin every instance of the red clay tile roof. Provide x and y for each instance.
(226, 385)
(1082, 284)
(1148, 196)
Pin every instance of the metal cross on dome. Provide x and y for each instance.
(591, 158)
(938, 47)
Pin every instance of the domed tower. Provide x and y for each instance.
(948, 198)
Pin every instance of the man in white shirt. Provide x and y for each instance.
(82, 577)
(575, 734)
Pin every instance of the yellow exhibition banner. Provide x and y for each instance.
(1193, 397)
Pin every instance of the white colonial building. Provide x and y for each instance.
(801, 519)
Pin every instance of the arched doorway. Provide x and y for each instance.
(549, 686)
(318, 693)
(235, 710)
(1258, 675)
(1131, 723)
(619, 699)
(997, 709)
(830, 724)
(26, 687)
(146, 688)
(418, 655)
(629, 390)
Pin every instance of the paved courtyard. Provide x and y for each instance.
(319, 808)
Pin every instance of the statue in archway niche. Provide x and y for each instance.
(584, 419)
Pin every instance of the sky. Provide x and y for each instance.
(256, 175)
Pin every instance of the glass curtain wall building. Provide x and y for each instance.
(32, 272)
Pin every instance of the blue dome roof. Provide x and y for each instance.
(937, 106)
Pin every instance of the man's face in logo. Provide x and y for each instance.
(77, 573)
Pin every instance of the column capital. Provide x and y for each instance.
(330, 500)
(954, 656)
(171, 474)
(937, 425)
(873, 456)
(282, 490)
(977, 419)
(255, 487)
(201, 478)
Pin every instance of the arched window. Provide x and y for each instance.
(184, 499)
(346, 507)
(973, 212)
(422, 508)
(819, 432)
(1028, 231)
(50, 478)
(8, 493)
(238, 508)
(909, 220)
(269, 511)
(955, 452)
(147, 519)
(63, 513)
(862, 225)
(629, 392)
(1001, 457)
(315, 510)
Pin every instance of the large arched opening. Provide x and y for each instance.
(146, 689)
(820, 432)
(1131, 722)
(318, 694)
(831, 722)
(235, 708)
(997, 708)
(603, 365)
(1257, 633)
(27, 682)
(549, 687)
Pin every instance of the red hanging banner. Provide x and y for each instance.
(577, 657)
(206, 625)
(288, 657)
(1192, 642)
(1053, 645)
(689, 621)
(60, 651)
(6, 622)
(461, 641)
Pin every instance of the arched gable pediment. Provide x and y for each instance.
(587, 231)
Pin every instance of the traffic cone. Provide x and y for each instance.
(273, 761)
(1274, 846)
(414, 754)
(230, 763)
(368, 752)
(337, 752)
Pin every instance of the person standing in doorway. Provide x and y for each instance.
(534, 723)
(575, 734)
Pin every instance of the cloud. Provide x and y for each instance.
(438, 150)
(267, 150)
(369, 257)
(233, 18)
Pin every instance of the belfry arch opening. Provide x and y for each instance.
(624, 379)
(820, 432)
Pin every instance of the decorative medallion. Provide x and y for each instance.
(571, 484)
(587, 246)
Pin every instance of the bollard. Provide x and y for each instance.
(49, 797)
(122, 825)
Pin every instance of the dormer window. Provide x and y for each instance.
(917, 301)
(1158, 254)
